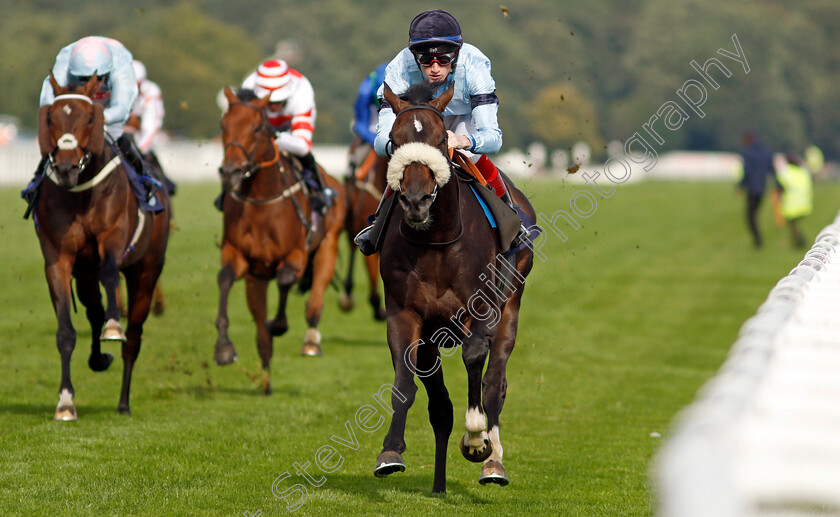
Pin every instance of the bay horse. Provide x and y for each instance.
(446, 285)
(363, 189)
(268, 232)
(91, 228)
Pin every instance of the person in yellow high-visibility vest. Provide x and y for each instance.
(797, 193)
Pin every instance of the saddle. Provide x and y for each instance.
(500, 215)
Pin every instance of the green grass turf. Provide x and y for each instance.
(620, 326)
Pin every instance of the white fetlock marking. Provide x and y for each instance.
(497, 445)
(475, 420)
(65, 398)
(312, 336)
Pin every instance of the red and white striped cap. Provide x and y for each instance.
(273, 80)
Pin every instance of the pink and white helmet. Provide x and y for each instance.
(139, 70)
(273, 80)
(90, 56)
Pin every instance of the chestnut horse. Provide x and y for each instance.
(91, 228)
(269, 231)
(363, 188)
(446, 285)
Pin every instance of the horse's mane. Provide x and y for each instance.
(246, 94)
(420, 93)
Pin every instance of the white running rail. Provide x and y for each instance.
(762, 437)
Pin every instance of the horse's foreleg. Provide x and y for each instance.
(255, 293)
(440, 409)
(323, 268)
(233, 267)
(475, 443)
(87, 287)
(372, 265)
(403, 332)
(495, 389)
(58, 277)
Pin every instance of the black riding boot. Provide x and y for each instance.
(523, 234)
(135, 160)
(30, 193)
(321, 196)
(369, 239)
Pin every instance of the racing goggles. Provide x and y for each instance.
(442, 58)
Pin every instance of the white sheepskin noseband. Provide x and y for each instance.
(417, 152)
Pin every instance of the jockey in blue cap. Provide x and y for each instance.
(437, 54)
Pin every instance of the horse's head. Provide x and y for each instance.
(246, 135)
(419, 164)
(71, 130)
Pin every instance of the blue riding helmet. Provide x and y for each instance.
(90, 56)
(434, 31)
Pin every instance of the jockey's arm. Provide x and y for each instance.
(362, 111)
(298, 140)
(123, 89)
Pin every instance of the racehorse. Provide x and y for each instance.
(269, 230)
(91, 228)
(363, 189)
(446, 285)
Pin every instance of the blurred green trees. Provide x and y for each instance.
(617, 61)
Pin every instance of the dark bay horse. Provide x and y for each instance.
(363, 189)
(91, 228)
(446, 285)
(269, 231)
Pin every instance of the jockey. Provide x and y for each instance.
(437, 54)
(291, 111)
(110, 61)
(365, 118)
(148, 108)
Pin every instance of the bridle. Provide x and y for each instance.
(68, 141)
(441, 146)
(250, 167)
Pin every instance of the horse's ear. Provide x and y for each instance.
(55, 86)
(92, 86)
(397, 104)
(96, 142)
(441, 102)
(44, 140)
(230, 96)
(261, 104)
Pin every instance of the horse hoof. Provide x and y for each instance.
(101, 362)
(112, 331)
(123, 410)
(311, 349)
(65, 414)
(225, 355)
(379, 314)
(476, 455)
(387, 463)
(311, 343)
(493, 472)
(276, 327)
(157, 307)
(345, 302)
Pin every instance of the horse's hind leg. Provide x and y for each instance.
(58, 278)
(286, 277)
(440, 409)
(495, 388)
(372, 263)
(323, 269)
(140, 284)
(87, 287)
(345, 299)
(255, 292)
